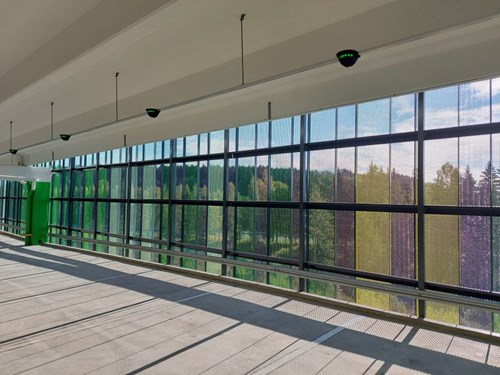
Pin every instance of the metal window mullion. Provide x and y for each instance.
(302, 197)
(355, 183)
(225, 211)
(127, 204)
(420, 203)
(171, 187)
(70, 197)
(268, 210)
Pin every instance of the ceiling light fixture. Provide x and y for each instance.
(348, 57)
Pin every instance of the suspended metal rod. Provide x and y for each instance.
(51, 121)
(242, 18)
(116, 94)
(10, 135)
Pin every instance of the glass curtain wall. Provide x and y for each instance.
(13, 206)
(402, 190)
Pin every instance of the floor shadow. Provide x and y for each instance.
(391, 352)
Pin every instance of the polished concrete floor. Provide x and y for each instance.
(67, 313)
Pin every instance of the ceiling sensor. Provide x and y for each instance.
(65, 137)
(153, 112)
(348, 57)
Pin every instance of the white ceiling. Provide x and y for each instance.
(173, 53)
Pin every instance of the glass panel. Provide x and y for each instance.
(322, 126)
(263, 135)
(117, 216)
(151, 221)
(372, 179)
(138, 153)
(345, 174)
(103, 183)
(321, 176)
(89, 183)
(495, 99)
(441, 108)
(135, 219)
(194, 225)
(441, 172)
(346, 122)
(251, 232)
(78, 185)
(88, 216)
(495, 170)
(216, 179)
(284, 233)
(204, 144)
(179, 147)
(403, 245)
(102, 217)
(442, 251)
(217, 142)
(246, 179)
(203, 180)
(281, 177)
(246, 137)
(118, 182)
(403, 118)
(321, 237)
(191, 145)
(136, 183)
(281, 132)
(214, 227)
(151, 182)
(475, 171)
(191, 180)
(402, 173)
(474, 103)
(296, 123)
(373, 242)
(373, 118)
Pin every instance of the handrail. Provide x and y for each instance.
(437, 296)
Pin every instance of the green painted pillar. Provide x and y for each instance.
(37, 215)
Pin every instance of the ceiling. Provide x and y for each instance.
(184, 56)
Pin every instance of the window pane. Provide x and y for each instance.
(474, 103)
(495, 99)
(281, 132)
(284, 233)
(345, 174)
(373, 118)
(322, 126)
(441, 108)
(281, 177)
(322, 176)
(216, 179)
(475, 171)
(403, 114)
(191, 145)
(402, 173)
(346, 122)
(372, 179)
(246, 137)
(217, 142)
(441, 172)
(263, 135)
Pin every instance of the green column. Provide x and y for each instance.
(37, 215)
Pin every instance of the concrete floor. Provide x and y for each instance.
(66, 313)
